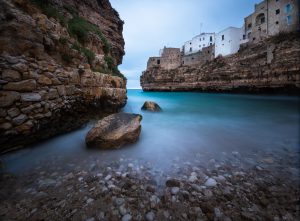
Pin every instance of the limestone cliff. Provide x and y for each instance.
(269, 66)
(58, 60)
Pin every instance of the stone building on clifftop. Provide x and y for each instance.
(272, 17)
(170, 59)
(269, 18)
(198, 43)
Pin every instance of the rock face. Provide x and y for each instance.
(56, 67)
(114, 131)
(151, 106)
(269, 66)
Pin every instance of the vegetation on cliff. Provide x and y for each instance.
(80, 29)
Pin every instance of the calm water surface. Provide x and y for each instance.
(191, 124)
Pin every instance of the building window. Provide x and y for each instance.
(210, 44)
(289, 20)
(249, 35)
(191, 49)
(260, 19)
(288, 8)
(223, 37)
(210, 39)
(254, 39)
(158, 61)
(203, 39)
(203, 45)
(277, 22)
(249, 25)
(277, 11)
(190, 43)
(244, 37)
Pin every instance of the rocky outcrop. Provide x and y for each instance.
(151, 106)
(57, 63)
(114, 131)
(269, 66)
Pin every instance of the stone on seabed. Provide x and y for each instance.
(210, 182)
(115, 131)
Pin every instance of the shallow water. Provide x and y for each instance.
(192, 126)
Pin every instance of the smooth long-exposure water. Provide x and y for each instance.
(204, 157)
(190, 124)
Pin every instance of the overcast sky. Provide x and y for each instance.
(152, 24)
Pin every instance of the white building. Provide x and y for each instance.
(228, 41)
(198, 42)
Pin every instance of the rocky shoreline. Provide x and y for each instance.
(259, 185)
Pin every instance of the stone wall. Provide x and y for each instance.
(269, 66)
(40, 98)
(153, 62)
(41, 92)
(170, 58)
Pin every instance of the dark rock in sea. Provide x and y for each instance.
(115, 131)
(151, 106)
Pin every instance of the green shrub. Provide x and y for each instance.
(90, 55)
(117, 73)
(100, 69)
(80, 28)
(50, 11)
(71, 10)
(63, 40)
(67, 58)
(110, 62)
(76, 46)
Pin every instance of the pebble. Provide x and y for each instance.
(90, 200)
(119, 201)
(193, 178)
(174, 190)
(210, 182)
(217, 212)
(126, 217)
(150, 216)
(33, 211)
(172, 183)
(122, 210)
(108, 177)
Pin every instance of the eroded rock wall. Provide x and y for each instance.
(41, 92)
(269, 66)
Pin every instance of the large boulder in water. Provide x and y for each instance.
(151, 106)
(114, 131)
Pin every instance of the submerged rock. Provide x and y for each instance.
(114, 131)
(151, 106)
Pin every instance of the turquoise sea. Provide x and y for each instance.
(190, 125)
